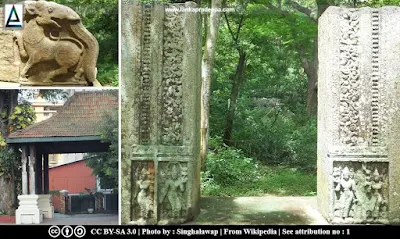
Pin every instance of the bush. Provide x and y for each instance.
(228, 166)
(228, 172)
(303, 144)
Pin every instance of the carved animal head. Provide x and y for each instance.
(51, 11)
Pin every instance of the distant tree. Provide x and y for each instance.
(105, 164)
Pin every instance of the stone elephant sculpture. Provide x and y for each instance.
(54, 34)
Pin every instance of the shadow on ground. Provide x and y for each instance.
(268, 210)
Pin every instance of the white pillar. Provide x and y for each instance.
(24, 172)
(32, 178)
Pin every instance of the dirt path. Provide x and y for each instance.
(266, 210)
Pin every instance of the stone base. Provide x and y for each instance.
(46, 206)
(141, 221)
(28, 211)
(346, 221)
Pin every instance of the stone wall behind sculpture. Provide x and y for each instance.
(358, 103)
(160, 88)
(8, 70)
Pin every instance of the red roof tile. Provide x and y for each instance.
(81, 115)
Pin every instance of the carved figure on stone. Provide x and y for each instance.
(346, 190)
(360, 196)
(174, 188)
(55, 41)
(143, 197)
(376, 195)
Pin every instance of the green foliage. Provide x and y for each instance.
(229, 173)
(105, 164)
(228, 166)
(23, 116)
(271, 122)
(10, 163)
(10, 159)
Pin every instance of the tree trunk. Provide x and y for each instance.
(236, 84)
(207, 67)
(8, 102)
(312, 76)
(312, 68)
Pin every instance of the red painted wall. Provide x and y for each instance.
(74, 177)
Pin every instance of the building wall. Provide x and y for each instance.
(73, 177)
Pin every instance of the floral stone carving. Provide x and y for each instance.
(54, 47)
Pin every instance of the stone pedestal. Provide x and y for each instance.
(28, 211)
(46, 206)
(358, 115)
(161, 66)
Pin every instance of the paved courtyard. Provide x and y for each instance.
(82, 219)
(265, 210)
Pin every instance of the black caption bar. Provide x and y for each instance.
(79, 231)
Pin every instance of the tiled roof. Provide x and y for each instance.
(80, 116)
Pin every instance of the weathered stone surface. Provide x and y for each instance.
(53, 48)
(358, 119)
(8, 70)
(160, 88)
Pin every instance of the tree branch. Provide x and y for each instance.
(230, 31)
(293, 4)
(239, 26)
(301, 9)
(303, 59)
(272, 7)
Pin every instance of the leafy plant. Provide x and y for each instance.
(229, 166)
(105, 164)
(23, 116)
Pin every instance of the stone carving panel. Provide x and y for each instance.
(171, 120)
(172, 191)
(375, 78)
(54, 47)
(360, 192)
(145, 84)
(143, 177)
(349, 79)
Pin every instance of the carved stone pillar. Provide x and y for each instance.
(32, 167)
(161, 64)
(358, 115)
(24, 158)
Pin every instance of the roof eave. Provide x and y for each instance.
(51, 139)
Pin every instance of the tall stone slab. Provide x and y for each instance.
(358, 115)
(160, 97)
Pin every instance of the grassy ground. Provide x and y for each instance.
(274, 180)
